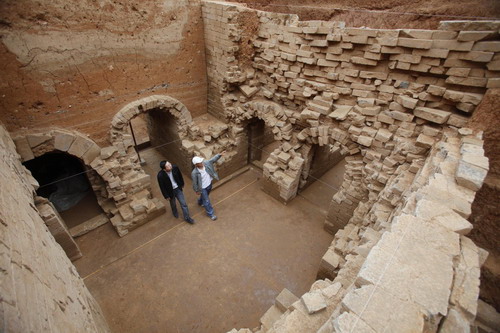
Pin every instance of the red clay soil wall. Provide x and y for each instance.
(356, 13)
(486, 206)
(75, 63)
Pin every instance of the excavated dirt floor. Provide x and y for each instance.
(169, 276)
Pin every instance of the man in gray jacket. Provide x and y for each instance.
(202, 175)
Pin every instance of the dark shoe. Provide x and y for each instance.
(213, 217)
(176, 216)
(190, 221)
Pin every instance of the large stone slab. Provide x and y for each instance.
(285, 300)
(465, 291)
(407, 266)
(348, 322)
(23, 149)
(443, 215)
(80, 146)
(383, 311)
(313, 301)
(63, 140)
(432, 115)
(270, 317)
(470, 176)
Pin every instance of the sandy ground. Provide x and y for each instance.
(169, 276)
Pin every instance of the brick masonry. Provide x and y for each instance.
(41, 290)
(395, 103)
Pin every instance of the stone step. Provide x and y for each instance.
(270, 317)
(285, 300)
(89, 225)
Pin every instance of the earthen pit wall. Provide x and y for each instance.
(41, 290)
(77, 73)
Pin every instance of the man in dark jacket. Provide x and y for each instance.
(171, 184)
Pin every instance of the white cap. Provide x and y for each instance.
(197, 159)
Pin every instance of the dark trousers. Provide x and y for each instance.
(179, 195)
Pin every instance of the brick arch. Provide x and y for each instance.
(33, 145)
(119, 128)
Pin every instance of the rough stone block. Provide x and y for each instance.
(93, 152)
(493, 46)
(332, 290)
(432, 53)
(341, 112)
(63, 140)
(285, 300)
(438, 213)
(314, 301)
(469, 25)
(467, 81)
(348, 322)
(23, 149)
(455, 322)
(363, 61)
(107, 152)
(365, 140)
(80, 146)
(383, 311)
(407, 102)
(424, 141)
(309, 114)
(433, 115)
(270, 317)
(35, 140)
(477, 56)
(470, 176)
(420, 266)
(415, 43)
(248, 91)
(452, 45)
(465, 291)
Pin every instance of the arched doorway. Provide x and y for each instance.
(64, 181)
(167, 122)
(61, 162)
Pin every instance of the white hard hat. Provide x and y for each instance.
(197, 159)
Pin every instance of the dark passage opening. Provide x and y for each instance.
(324, 158)
(163, 132)
(261, 142)
(63, 180)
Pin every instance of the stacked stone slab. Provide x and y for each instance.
(396, 102)
(408, 265)
(40, 289)
(378, 92)
(57, 228)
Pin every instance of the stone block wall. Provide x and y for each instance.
(396, 103)
(407, 265)
(40, 289)
(386, 95)
(57, 228)
(220, 36)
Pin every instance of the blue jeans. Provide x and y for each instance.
(205, 200)
(180, 197)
